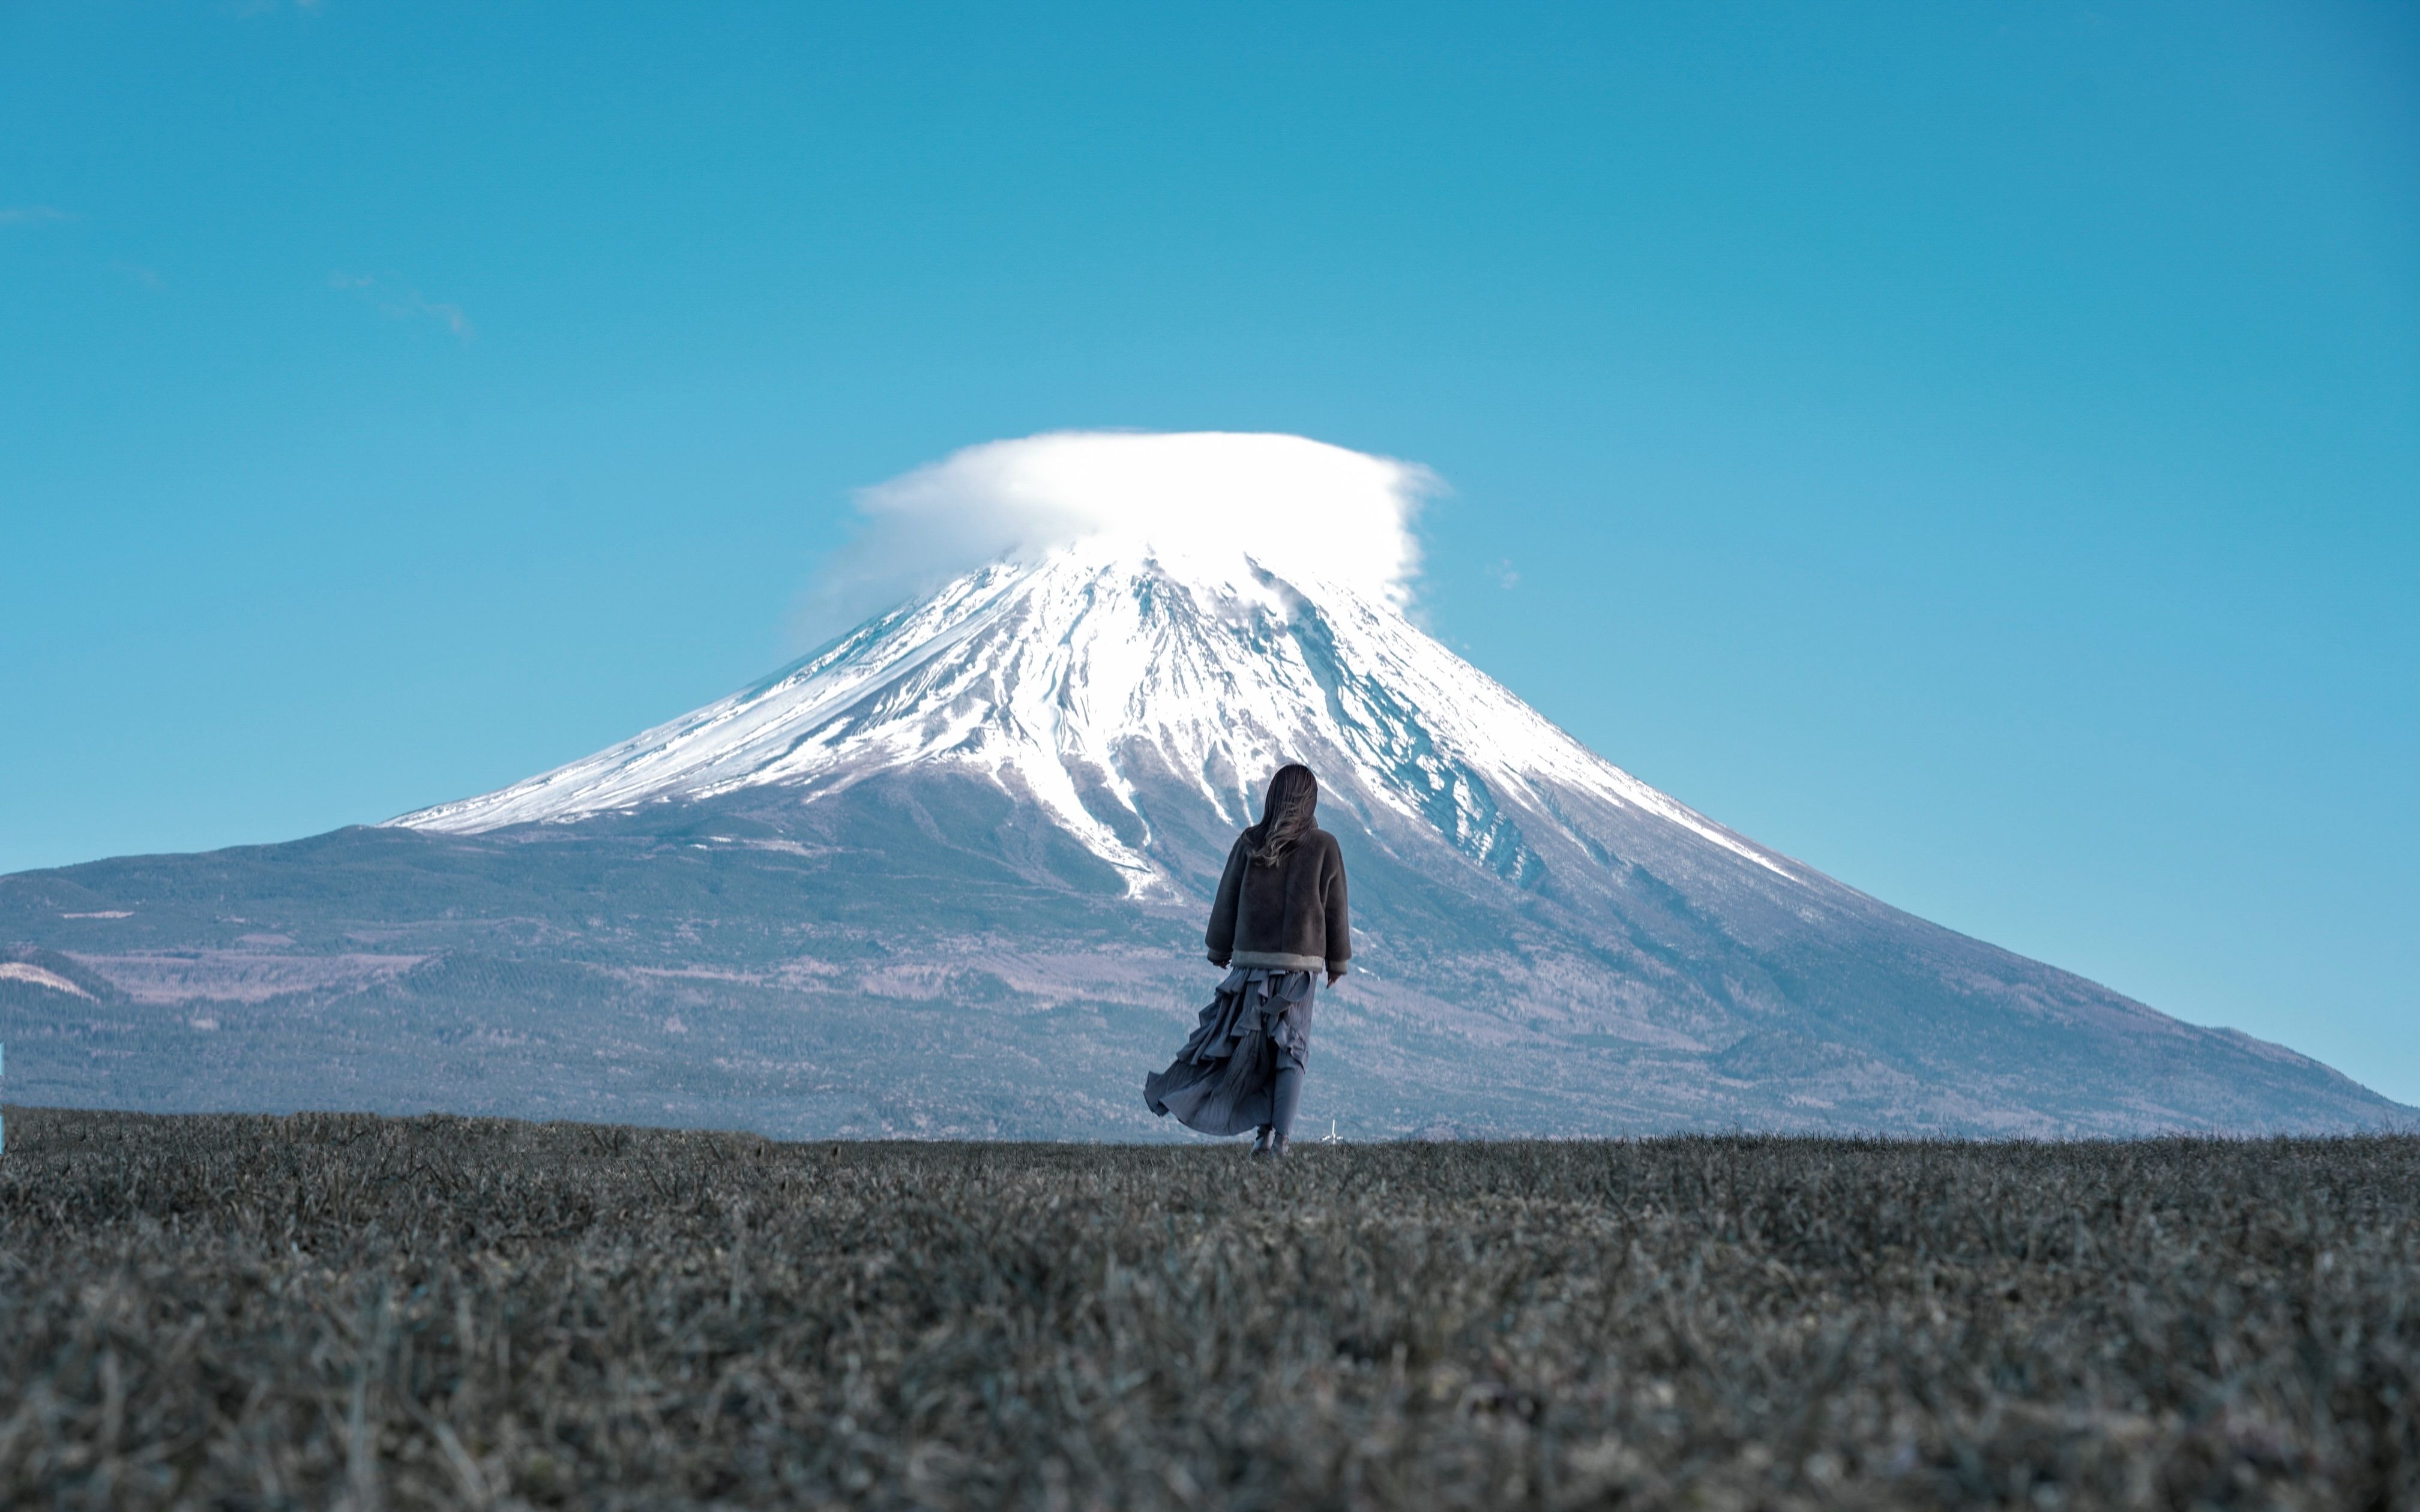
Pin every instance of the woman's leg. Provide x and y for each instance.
(1288, 1094)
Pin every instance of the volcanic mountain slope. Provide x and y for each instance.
(946, 876)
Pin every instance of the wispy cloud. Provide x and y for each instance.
(34, 215)
(399, 300)
(1296, 506)
(136, 273)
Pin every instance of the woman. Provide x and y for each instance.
(1279, 921)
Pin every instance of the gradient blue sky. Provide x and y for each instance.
(1972, 448)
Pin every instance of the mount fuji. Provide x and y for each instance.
(945, 876)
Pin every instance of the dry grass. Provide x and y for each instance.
(258, 1312)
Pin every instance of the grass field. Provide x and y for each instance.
(249, 1312)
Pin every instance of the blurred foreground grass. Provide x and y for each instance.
(254, 1312)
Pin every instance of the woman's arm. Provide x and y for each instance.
(1220, 937)
(1340, 923)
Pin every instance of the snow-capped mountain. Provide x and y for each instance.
(947, 876)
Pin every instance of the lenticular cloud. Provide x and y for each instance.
(1296, 506)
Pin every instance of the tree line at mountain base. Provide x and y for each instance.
(232, 1311)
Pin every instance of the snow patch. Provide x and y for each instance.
(35, 976)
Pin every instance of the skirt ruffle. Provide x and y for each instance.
(1223, 1081)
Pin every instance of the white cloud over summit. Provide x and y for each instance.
(1299, 507)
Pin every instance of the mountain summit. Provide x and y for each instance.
(1106, 685)
(947, 876)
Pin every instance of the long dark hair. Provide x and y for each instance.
(1285, 814)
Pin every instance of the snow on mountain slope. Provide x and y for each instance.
(1058, 677)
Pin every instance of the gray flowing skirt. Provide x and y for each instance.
(1223, 1082)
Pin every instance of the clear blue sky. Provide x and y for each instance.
(1972, 448)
